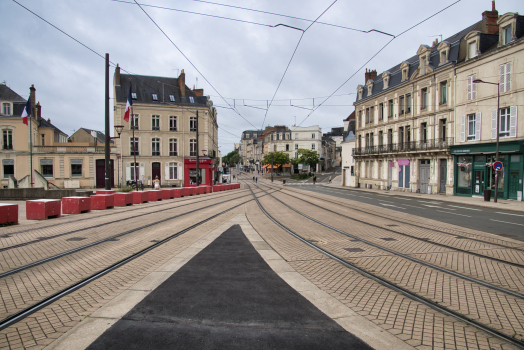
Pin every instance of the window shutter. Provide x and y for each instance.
(167, 177)
(180, 171)
(469, 88)
(478, 122)
(508, 77)
(463, 129)
(513, 121)
(473, 88)
(142, 172)
(128, 172)
(502, 84)
(494, 124)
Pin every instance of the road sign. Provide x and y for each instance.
(497, 166)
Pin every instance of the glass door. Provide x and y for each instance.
(479, 182)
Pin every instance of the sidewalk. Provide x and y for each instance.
(502, 204)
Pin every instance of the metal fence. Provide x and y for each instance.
(412, 146)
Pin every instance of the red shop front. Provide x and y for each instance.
(206, 170)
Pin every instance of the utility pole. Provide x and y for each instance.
(108, 137)
(133, 142)
(272, 158)
(197, 159)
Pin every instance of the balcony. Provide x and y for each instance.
(71, 149)
(404, 147)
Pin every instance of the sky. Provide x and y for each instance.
(238, 64)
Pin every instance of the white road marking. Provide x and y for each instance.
(407, 205)
(430, 202)
(389, 205)
(405, 199)
(447, 212)
(507, 222)
(434, 206)
(499, 212)
(456, 206)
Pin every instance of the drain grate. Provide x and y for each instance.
(388, 239)
(75, 239)
(391, 225)
(354, 250)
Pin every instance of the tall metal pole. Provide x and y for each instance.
(272, 158)
(134, 146)
(497, 150)
(197, 159)
(108, 137)
(31, 146)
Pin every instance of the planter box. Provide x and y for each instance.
(177, 192)
(217, 188)
(105, 192)
(186, 191)
(123, 199)
(167, 193)
(76, 205)
(8, 213)
(41, 209)
(154, 195)
(102, 201)
(139, 197)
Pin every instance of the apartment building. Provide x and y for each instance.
(164, 122)
(248, 144)
(307, 137)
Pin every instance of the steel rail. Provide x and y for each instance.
(438, 268)
(394, 286)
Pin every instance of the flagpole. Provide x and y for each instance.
(31, 148)
(134, 145)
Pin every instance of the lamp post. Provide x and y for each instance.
(477, 81)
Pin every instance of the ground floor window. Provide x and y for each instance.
(46, 167)
(76, 167)
(403, 176)
(134, 167)
(173, 171)
(464, 171)
(9, 167)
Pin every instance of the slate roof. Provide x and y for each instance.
(46, 124)
(395, 79)
(145, 86)
(6, 94)
(101, 137)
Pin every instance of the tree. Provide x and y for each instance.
(308, 157)
(280, 158)
(231, 158)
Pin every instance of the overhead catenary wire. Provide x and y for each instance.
(376, 54)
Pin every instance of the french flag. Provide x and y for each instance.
(26, 111)
(128, 106)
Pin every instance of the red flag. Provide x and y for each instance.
(128, 106)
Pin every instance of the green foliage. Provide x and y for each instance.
(301, 176)
(231, 158)
(308, 157)
(280, 158)
(295, 161)
(125, 189)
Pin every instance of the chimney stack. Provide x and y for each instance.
(491, 18)
(198, 92)
(33, 101)
(182, 83)
(38, 110)
(117, 75)
(371, 74)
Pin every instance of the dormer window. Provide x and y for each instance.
(472, 49)
(133, 95)
(443, 48)
(172, 98)
(443, 57)
(506, 35)
(423, 65)
(155, 97)
(472, 40)
(507, 24)
(6, 108)
(191, 99)
(359, 90)
(404, 74)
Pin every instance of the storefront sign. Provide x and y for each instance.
(403, 162)
(200, 161)
(461, 151)
(391, 164)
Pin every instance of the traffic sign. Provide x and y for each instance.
(497, 166)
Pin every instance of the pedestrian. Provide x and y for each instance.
(256, 179)
(156, 183)
(314, 179)
(233, 177)
(253, 179)
(329, 181)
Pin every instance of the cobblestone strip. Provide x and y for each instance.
(48, 324)
(495, 309)
(410, 321)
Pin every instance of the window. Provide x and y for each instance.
(76, 167)
(172, 98)
(472, 87)
(401, 103)
(506, 33)
(9, 167)
(312, 146)
(404, 74)
(424, 98)
(296, 145)
(442, 129)
(443, 57)
(443, 92)
(371, 115)
(155, 146)
(296, 136)
(172, 123)
(8, 139)
(471, 127)
(312, 136)
(155, 122)
(287, 147)
(173, 171)
(424, 132)
(133, 95)
(192, 148)
(43, 139)
(381, 111)
(46, 167)
(133, 167)
(274, 148)
(380, 138)
(192, 124)
(6, 108)
(408, 103)
(367, 116)
(360, 121)
(390, 109)
(472, 50)
(296, 154)
(278, 136)
(134, 122)
(505, 77)
(173, 150)
(191, 99)
(133, 147)
(504, 123)
(155, 97)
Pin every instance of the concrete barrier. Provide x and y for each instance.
(102, 201)
(166, 193)
(123, 199)
(8, 213)
(76, 205)
(186, 191)
(41, 209)
(154, 195)
(139, 197)
(177, 192)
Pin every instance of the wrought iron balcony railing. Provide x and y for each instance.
(412, 146)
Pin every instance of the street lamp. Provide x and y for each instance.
(477, 81)
(118, 129)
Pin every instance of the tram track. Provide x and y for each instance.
(18, 316)
(386, 282)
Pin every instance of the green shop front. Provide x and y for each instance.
(474, 171)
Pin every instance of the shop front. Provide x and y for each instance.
(206, 171)
(474, 171)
